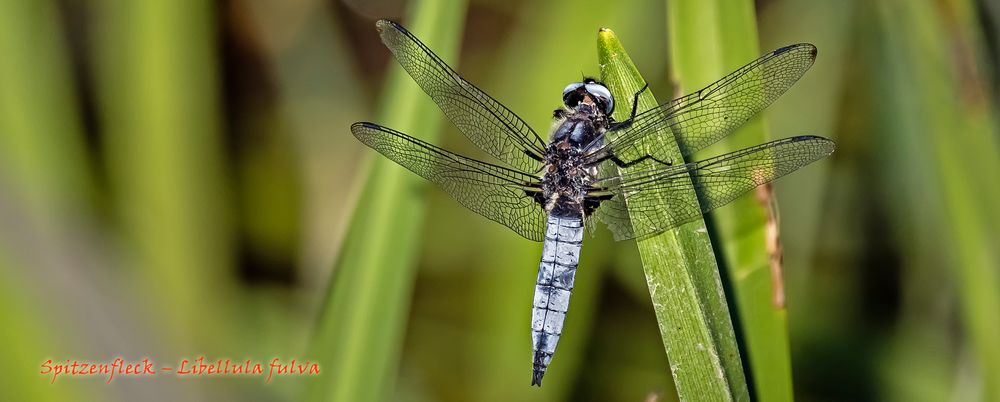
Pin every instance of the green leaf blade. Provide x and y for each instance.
(682, 274)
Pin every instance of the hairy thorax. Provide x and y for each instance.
(566, 177)
(564, 180)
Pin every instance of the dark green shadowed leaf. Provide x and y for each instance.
(940, 157)
(157, 90)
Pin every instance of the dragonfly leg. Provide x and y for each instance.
(623, 164)
(635, 105)
(533, 156)
(559, 113)
(536, 195)
(591, 202)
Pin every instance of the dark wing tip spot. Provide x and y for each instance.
(781, 50)
(805, 46)
(385, 27)
(358, 129)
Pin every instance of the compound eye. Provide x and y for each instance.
(571, 87)
(602, 93)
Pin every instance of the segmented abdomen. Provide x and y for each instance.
(560, 256)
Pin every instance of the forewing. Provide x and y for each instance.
(648, 202)
(482, 119)
(702, 118)
(496, 192)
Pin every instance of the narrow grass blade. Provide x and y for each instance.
(359, 336)
(682, 275)
(158, 106)
(708, 39)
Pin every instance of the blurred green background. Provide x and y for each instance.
(177, 179)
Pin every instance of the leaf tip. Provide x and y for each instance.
(605, 34)
(608, 46)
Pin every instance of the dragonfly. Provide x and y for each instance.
(593, 168)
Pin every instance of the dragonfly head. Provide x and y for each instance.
(591, 89)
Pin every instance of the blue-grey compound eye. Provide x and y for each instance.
(604, 94)
(571, 87)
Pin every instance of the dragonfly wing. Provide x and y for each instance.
(501, 194)
(648, 202)
(486, 122)
(704, 117)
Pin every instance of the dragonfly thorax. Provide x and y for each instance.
(585, 115)
(580, 126)
(565, 179)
